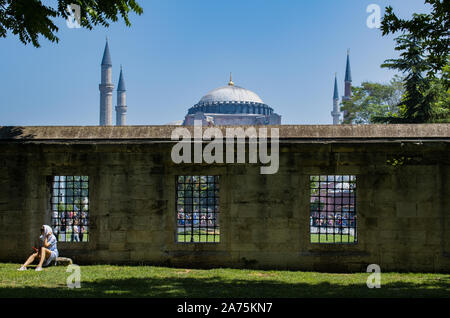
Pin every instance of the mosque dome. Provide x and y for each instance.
(231, 99)
(230, 93)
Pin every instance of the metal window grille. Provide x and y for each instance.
(70, 208)
(333, 209)
(197, 208)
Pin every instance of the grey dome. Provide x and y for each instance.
(231, 99)
(230, 93)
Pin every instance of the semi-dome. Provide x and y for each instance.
(230, 93)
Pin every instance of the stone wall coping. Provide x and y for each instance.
(286, 132)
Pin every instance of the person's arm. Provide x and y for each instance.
(46, 243)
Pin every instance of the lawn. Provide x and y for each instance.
(330, 238)
(199, 236)
(150, 281)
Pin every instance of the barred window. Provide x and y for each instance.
(70, 208)
(197, 208)
(333, 209)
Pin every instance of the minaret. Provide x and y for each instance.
(335, 113)
(348, 78)
(121, 108)
(106, 88)
(347, 82)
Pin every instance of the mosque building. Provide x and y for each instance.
(232, 105)
(226, 105)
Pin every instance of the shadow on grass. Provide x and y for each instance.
(217, 287)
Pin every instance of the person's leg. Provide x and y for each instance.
(45, 253)
(30, 260)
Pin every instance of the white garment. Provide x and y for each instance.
(51, 239)
(47, 230)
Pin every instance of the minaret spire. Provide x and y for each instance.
(348, 78)
(336, 92)
(347, 82)
(335, 113)
(106, 88)
(121, 108)
(106, 55)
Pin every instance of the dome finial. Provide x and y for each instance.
(230, 83)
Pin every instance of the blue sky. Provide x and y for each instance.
(178, 50)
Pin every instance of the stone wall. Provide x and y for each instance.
(403, 211)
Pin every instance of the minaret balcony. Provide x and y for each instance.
(106, 87)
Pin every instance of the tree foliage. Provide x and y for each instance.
(373, 100)
(424, 46)
(441, 88)
(424, 99)
(416, 104)
(431, 30)
(30, 19)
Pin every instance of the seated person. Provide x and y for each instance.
(47, 252)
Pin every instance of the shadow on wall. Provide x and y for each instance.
(14, 132)
(219, 287)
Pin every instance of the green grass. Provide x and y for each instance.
(338, 238)
(63, 237)
(150, 281)
(199, 237)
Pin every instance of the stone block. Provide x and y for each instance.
(117, 246)
(63, 261)
(139, 236)
(406, 209)
(118, 236)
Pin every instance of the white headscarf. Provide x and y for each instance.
(47, 231)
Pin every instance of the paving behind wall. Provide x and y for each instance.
(403, 212)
